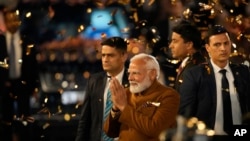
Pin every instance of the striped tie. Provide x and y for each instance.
(106, 113)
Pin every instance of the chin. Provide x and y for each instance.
(140, 87)
(106, 69)
(137, 89)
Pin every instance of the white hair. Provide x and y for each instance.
(151, 62)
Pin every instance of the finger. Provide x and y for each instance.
(117, 84)
(113, 84)
(114, 81)
(112, 88)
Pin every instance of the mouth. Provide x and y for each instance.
(224, 55)
(105, 65)
(133, 83)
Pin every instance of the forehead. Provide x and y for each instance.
(176, 35)
(109, 49)
(136, 65)
(219, 38)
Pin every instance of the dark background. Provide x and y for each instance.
(66, 58)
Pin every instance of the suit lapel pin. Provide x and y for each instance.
(156, 104)
(126, 85)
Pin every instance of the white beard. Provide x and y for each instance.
(140, 87)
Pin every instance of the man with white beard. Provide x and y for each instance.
(147, 108)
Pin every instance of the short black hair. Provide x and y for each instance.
(214, 30)
(116, 42)
(189, 32)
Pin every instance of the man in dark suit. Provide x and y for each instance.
(185, 45)
(18, 80)
(203, 91)
(114, 56)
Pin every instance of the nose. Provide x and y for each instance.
(223, 47)
(170, 45)
(130, 77)
(105, 58)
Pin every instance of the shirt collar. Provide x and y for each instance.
(15, 35)
(183, 63)
(217, 69)
(119, 76)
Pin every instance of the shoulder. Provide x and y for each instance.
(239, 66)
(163, 89)
(198, 72)
(198, 58)
(168, 94)
(242, 69)
(200, 67)
(97, 76)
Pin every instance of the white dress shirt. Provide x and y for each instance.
(18, 51)
(236, 111)
(119, 78)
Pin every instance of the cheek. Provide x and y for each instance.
(114, 60)
(208, 49)
(213, 52)
(180, 47)
(229, 48)
(138, 79)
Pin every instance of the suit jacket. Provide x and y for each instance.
(195, 59)
(91, 119)
(142, 119)
(198, 92)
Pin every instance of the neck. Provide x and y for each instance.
(114, 73)
(221, 64)
(192, 52)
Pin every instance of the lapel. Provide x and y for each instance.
(210, 76)
(237, 77)
(100, 93)
(102, 83)
(212, 84)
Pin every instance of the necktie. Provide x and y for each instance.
(108, 105)
(106, 113)
(227, 109)
(12, 58)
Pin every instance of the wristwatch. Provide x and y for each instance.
(115, 113)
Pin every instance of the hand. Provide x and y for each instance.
(118, 94)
